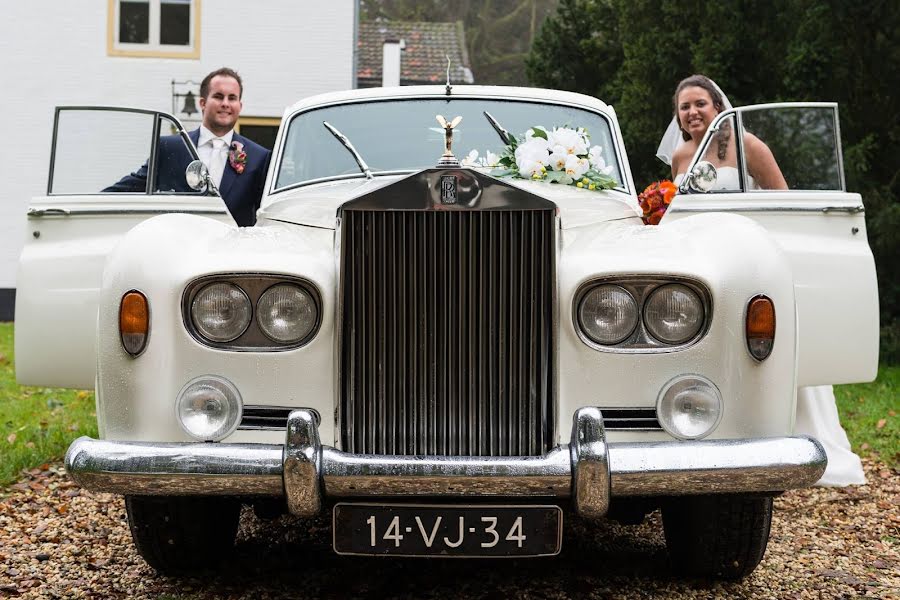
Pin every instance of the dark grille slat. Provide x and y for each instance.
(523, 338)
(371, 367)
(275, 418)
(446, 341)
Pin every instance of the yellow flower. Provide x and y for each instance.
(579, 184)
(592, 187)
(584, 180)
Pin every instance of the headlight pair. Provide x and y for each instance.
(252, 312)
(641, 314)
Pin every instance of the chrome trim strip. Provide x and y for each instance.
(743, 171)
(589, 470)
(853, 210)
(67, 212)
(840, 148)
(734, 207)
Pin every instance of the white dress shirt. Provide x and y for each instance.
(215, 161)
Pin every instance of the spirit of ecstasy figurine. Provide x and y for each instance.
(447, 159)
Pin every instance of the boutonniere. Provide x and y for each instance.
(237, 158)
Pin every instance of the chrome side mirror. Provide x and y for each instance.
(197, 176)
(702, 177)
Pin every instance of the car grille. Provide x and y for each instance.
(446, 335)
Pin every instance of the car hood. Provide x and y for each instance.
(316, 205)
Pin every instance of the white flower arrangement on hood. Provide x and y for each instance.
(560, 155)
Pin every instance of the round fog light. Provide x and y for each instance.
(689, 407)
(209, 408)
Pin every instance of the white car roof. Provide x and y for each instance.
(458, 91)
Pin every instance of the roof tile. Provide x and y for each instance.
(423, 61)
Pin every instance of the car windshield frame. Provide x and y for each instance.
(614, 136)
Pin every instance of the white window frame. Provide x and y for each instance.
(153, 48)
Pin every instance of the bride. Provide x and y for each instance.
(696, 103)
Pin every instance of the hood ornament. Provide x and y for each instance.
(447, 158)
(449, 87)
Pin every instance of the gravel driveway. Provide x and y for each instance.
(59, 542)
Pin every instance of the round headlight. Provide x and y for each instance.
(689, 407)
(608, 314)
(673, 313)
(221, 311)
(286, 313)
(209, 408)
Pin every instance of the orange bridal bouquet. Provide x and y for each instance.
(655, 199)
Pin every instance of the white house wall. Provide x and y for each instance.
(54, 52)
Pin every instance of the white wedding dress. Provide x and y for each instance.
(726, 179)
(817, 417)
(817, 414)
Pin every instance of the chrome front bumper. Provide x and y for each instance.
(589, 470)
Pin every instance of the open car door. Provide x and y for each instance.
(818, 224)
(110, 169)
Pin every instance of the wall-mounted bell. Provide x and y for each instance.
(190, 104)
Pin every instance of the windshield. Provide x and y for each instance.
(403, 135)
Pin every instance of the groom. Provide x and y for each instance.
(237, 166)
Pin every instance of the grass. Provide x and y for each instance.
(869, 414)
(37, 424)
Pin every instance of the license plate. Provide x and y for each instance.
(447, 530)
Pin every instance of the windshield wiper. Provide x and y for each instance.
(504, 134)
(346, 143)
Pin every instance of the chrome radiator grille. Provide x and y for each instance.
(446, 336)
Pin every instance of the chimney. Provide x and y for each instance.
(390, 65)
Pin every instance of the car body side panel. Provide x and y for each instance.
(735, 260)
(136, 399)
(59, 276)
(823, 236)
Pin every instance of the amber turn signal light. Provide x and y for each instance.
(134, 322)
(760, 326)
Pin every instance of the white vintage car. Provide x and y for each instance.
(442, 358)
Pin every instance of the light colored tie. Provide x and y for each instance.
(217, 161)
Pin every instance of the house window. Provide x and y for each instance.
(160, 28)
(261, 130)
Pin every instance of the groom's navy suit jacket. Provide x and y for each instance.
(241, 192)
